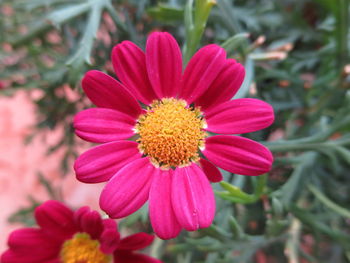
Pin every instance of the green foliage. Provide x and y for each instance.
(294, 52)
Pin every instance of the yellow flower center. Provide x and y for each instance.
(82, 249)
(171, 133)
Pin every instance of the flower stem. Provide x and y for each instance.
(195, 21)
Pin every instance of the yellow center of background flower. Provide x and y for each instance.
(82, 249)
(171, 133)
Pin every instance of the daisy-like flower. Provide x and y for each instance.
(66, 236)
(154, 128)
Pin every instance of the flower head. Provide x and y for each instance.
(161, 151)
(66, 236)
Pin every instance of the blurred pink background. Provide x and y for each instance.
(20, 163)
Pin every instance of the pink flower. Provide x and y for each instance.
(65, 236)
(163, 152)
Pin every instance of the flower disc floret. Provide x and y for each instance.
(81, 248)
(171, 133)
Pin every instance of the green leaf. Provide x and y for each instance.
(231, 44)
(25, 215)
(228, 16)
(216, 232)
(236, 195)
(329, 203)
(85, 46)
(228, 196)
(115, 17)
(309, 219)
(62, 15)
(294, 185)
(52, 191)
(277, 207)
(236, 229)
(166, 14)
(344, 153)
(237, 192)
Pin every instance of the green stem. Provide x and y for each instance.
(260, 185)
(195, 21)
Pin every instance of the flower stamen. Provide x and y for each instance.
(171, 133)
(82, 249)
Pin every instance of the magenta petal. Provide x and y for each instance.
(79, 214)
(136, 241)
(129, 63)
(100, 163)
(164, 64)
(110, 236)
(55, 219)
(239, 116)
(224, 87)
(109, 241)
(161, 212)
(11, 257)
(30, 256)
(30, 238)
(56, 260)
(34, 244)
(110, 224)
(105, 92)
(129, 257)
(103, 125)
(128, 190)
(91, 223)
(211, 171)
(192, 198)
(201, 71)
(238, 155)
